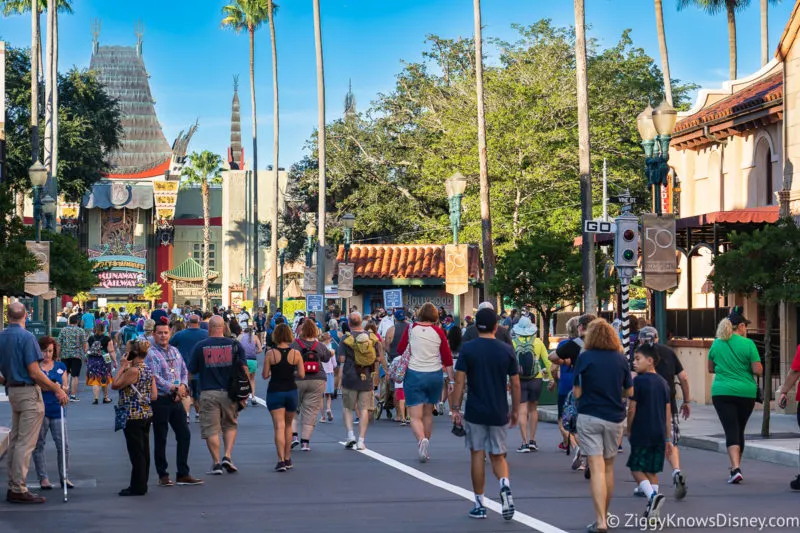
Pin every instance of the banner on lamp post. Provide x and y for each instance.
(346, 280)
(457, 271)
(41, 251)
(310, 279)
(659, 261)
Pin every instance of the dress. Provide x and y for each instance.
(98, 371)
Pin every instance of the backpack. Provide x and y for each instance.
(363, 348)
(129, 334)
(239, 383)
(310, 361)
(529, 363)
(569, 417)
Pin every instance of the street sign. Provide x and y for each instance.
(315, 302)
(659, 262)
(393, 298)
(599, 226)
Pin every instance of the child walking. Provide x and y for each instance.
(330, 369)
(649, 427)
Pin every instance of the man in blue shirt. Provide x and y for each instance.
(185, 341)
(88, 321)
(487, 364)
(24, 381)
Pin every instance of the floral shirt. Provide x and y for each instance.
(138, 405)
(72, 340)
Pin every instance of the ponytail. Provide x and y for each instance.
(725, 329)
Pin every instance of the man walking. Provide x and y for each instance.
(72, 341)
(24, 381)
(212, 362)
(169, 371)
(185, 341)
(502, 334)
(357, 384)
(487, 364)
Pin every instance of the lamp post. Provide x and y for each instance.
(283, 243)
(311, 230)
(655, 127)
(455, 186)
(48, 212)
(38, 176)
(348, 222)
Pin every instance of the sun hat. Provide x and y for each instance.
(525, 328)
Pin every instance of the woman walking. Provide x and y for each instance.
(100, 359)
(734, 360)
(423, 380)
(311, 386)
(252, 347)
(137, 389)
(330, 370)
(282, 390)
(57, 372)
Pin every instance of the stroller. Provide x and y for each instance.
(385, 398)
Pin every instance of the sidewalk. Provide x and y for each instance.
(703, 430)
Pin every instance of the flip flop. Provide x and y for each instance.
(592, 528)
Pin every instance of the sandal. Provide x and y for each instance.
(592, 528)
(106, 400)
(42, 486)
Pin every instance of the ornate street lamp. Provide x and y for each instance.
(49, 212)
(283, 243)
(311, 230)
(38, 175)
(455, 186)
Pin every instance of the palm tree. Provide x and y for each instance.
(239, 16)
(272, 7)
(204, 169)
(486, 217)
(321, 148)
(662, 46)
(765, 30)
(584, 155)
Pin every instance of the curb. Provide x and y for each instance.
(755, 450)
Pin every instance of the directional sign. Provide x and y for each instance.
(393, 298)
(599, 226)
(315, 302)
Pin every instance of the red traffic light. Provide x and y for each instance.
(628, 235)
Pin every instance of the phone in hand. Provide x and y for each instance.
(783, 401)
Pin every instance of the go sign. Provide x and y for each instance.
(599, 226)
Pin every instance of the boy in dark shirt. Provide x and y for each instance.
(649, 427)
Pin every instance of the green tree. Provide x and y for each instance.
(82, 297)
(71, 271)
(204, 169)
(15, 260)
(764, 264)
(153, 292)
(291, 225)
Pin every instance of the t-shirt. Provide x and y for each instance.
(602, 376)
(18, 349)
(52, 409)
(733, 369)
(353, 378)
(488, 363)
(668, 367)
(88, 321)
(568, 350)
(796, 368)
(98, 343)
(501, 334)
(651, 394)
(212, 360)
(185, 341)
(157, 314)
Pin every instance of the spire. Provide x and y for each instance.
(235, 151)
(96, 26)
(350, 102)
(139, 31)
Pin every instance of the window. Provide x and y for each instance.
(768, 165)
(197, 254)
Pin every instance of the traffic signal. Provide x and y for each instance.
(626, 242)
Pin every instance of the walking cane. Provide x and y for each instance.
(64, 452)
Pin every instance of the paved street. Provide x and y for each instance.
(384, 489)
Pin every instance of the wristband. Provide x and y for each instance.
(451, 382)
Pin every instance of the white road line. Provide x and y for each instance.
(522, 518)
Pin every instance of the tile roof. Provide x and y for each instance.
(390, 261)
(189, 270)
(766, 92)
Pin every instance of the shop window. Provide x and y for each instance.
(197, 254)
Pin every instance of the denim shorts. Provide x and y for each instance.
(282, 400)
(423, 387)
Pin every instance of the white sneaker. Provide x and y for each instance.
(361, 445)
(422, 450)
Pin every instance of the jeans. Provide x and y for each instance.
(39, 459)
(166, 414)
(27, 412)
(137, 438)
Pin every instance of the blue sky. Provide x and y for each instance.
(192, 61)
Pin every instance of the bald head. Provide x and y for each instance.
(216, 326)
(16, 313)
(354, 319)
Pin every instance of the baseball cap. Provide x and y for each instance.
(486, 305)
(485, 320)
(648, 334)
(468, 318)
(400, 314)
(737, 317)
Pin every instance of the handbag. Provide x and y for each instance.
(121, 413)
(399, 365)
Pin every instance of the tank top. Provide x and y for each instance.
(249, 346)
(282, 373)
(399, 329)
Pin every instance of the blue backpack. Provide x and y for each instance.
(569, 417)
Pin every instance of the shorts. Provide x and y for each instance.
(647, 459)
(491, 439)
(329, 383)
(310, 394)
(74, 365)
(423, 387)
(217, 413)
(399, 393)
(531, 390)
(282, 400)
(562, 398)
(364, 399)
(598, 436)
(252, 366)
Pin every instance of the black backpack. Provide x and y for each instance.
(239, 384)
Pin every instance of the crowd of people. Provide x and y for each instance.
(497, 367)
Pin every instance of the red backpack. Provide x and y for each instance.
(310, 361)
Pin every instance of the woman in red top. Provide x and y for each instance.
(423, 381)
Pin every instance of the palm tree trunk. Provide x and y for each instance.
(584, 154)
(273, 240)
(255, 161)
(769, 310)
(764, 32)
(206, 242)
(732, 39)
(662, 46)
(483, 163)
(35, 59)
(54, 155)
(321, 148)
(48, 96)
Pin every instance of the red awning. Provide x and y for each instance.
(750, 215)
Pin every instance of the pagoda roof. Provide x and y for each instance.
(189, 270)
(144, 150)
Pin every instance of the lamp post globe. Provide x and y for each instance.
(644, 123)
(38, 174)
(664, 118)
